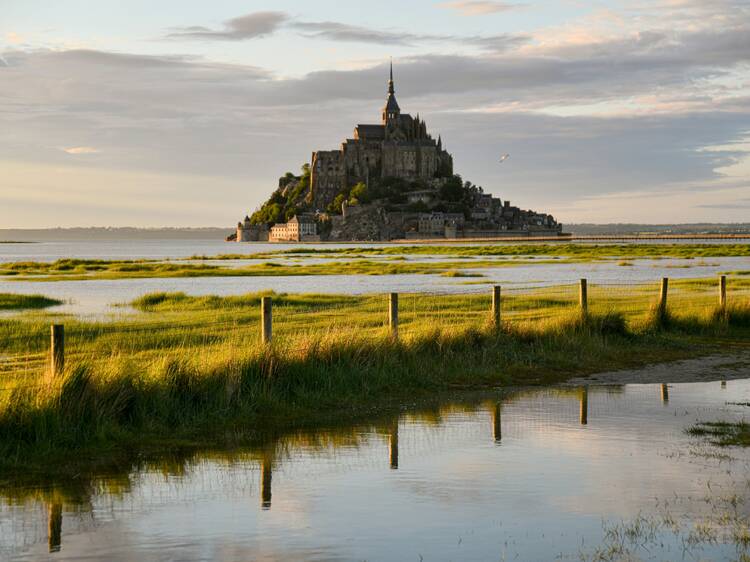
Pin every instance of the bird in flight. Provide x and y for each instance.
(504, 157)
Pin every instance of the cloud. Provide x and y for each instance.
(335, 31)
(80, 150)
(480, 7)
(259, 24)
(249, 26)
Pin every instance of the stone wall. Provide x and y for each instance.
(327, 177)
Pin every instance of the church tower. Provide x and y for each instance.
(391, 111)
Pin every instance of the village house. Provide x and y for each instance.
(300, 228)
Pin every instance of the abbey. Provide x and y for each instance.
(398, 147)
(391, 180)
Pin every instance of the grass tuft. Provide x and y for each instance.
(13, 301)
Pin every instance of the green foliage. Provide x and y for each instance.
(417, 207)
(452, 190)
(285, 202)
(335, 207)
(359, 194)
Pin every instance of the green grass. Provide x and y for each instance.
(459, 273)
(354, 261)
(579, 251)
(76, 269)
(188, 367)
(12, 301)
(723, 434)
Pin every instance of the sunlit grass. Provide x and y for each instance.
(189, 362)
(579, 251)
(77, 270)
(12, 301)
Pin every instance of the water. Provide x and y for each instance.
(518, 477)
(164, 249)
(98, 297)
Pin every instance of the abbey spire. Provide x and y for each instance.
(391, 111)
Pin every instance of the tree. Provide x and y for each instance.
(335, 206)
(289, 212)
(452, 190)
(359, 194)
(417, 207)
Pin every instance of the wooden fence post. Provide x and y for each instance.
(663, 294)
(583, 296)
(57, 350)
(266, 319)
(393, 314)
(496, 306)
(723, 291)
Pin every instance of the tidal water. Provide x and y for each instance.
(165, 249)
(99, 297)
(528, 475)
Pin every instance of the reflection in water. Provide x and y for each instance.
(191, 499)
(497, 430)
(584, 403)
(265, 481)
(54, 527)
(664, 394)
(393, 446)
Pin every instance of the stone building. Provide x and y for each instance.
(298, 229)
(243, 230)
(247, 232)
(436, 222)
(399, 146)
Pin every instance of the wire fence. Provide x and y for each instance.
(25, 353)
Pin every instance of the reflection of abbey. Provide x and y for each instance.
(398, 147)
(391, 180)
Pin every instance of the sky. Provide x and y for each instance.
(185, 113)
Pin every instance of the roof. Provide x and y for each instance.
(392, 105)
(375, 132)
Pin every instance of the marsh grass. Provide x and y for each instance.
(354, 261)
(125, 390)
(459, 273)
(12, 301)
(77, 270)
(579, 251)
(722, 433)
(188, 364)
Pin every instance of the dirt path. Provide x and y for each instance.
(732, 365)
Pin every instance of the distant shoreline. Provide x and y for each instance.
(513, 239)
(577, 232)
